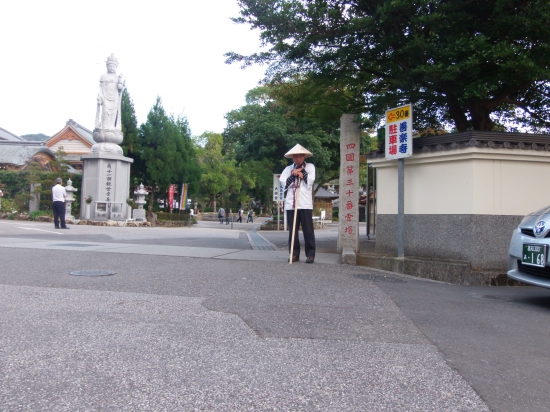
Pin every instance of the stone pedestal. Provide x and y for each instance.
(106, 177)
(350, 139)
(139, 215)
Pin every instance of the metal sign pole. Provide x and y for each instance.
(398, 146)
(367, 205)
(278, 216)
(374, 200)
(400, 206)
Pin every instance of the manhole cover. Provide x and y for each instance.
(92, 273)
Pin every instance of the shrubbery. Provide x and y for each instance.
(37, 213)
(16, 187)
(9, 206)
(184, 216)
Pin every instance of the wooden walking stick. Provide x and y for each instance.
(296, 197)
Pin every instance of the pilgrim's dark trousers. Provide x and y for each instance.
(59, 213)
(305, 219)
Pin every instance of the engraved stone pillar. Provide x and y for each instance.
(106, 177)
(348, 231)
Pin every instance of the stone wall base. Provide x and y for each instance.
(480, 240)
(449, 271)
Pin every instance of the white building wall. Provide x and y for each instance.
(71, 146)
(467, 181)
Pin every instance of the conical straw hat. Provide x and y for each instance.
(298, 149)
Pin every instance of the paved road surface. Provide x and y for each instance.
(202, 319)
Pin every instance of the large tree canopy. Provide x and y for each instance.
(131, 145)
(465, 63)
(264, 131)
(166, 152)
(272, 122)
(222, 179)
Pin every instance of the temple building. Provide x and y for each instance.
(16, 153)
(75, 140)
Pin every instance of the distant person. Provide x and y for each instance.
(250, 216)
(299, 175)
(227, 213)
(240, 219)
(58, 196)
(221, 212)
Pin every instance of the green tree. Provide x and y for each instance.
(166, 152)
(214, 182)
(60, 164)
(268, 126)
(191, 167)
(16, 185)
(131, 144)
(257, 180)
(470, 64)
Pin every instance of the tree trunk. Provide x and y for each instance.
(457, 114)
(151, 200)
(481, 119)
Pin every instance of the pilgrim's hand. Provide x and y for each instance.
(298, 172)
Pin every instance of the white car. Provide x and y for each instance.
(528, 252)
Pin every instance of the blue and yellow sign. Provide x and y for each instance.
(399, 132)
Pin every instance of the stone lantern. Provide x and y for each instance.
(69, 199)
(139, 213)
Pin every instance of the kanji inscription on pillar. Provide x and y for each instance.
(350, 133)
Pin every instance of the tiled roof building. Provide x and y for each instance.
(9, 136)
(75, 140)
(17, 153)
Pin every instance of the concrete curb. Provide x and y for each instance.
(457, 272)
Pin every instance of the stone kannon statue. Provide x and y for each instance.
(107, 132)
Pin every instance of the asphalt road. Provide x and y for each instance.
(196, 319)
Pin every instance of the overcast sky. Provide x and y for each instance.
(53, 53)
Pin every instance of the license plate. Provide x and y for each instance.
(534, 255)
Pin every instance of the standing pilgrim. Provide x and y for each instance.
(302, 174)
(58, 205)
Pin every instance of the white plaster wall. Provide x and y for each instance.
(435, 188)
(467, 181)
(524, 187)
(71, 146)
